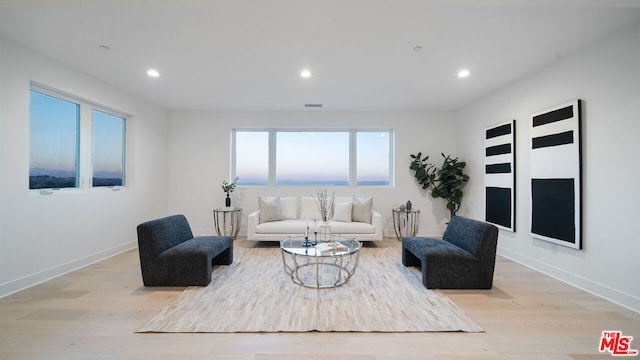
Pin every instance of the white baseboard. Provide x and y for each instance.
(616, 296)
(53, 272)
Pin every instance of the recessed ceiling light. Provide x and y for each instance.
(417, 48)
(153, 73)
(463, 73)
(104, 47)
(305, 73)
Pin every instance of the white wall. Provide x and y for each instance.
(199, 161)
(606, 76)
(45, 236)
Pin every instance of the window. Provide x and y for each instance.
(252, 157)
(318, 158)
(312, 157)
(72, 144)
(108, 149)
(373, 157)
(54, 126)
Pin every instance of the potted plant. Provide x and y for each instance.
(229, 188)
(446, 182)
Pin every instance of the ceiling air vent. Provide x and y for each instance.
(313, 105)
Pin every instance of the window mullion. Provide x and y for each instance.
(272, 157)
(392, 155)
(232, 150)
(85, 147)
(124, 152)
(353, 157)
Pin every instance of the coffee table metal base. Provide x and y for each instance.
(320, 272)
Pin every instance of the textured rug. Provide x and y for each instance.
(255, 295)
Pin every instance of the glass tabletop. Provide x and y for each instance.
(227, 209)
(338, 246)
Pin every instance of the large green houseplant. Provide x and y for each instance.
(446, 182)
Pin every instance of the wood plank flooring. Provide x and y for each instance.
(93, 313)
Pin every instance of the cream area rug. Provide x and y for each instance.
(255, 295)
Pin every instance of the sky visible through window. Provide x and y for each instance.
(252, 157)
(304, 158)
(108, 149)
(373, 158)
(53, 141)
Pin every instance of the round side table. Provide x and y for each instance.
(406, 222)
(227, 221)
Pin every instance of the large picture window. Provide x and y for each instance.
(312, 157)
(73, 144)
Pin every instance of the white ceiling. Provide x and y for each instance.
(247, 54)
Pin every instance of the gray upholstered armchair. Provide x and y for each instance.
(171, 256)
(464, 258)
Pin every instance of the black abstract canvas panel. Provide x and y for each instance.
(555, 167)
(498, 207)
(499, 175)
(552, 208)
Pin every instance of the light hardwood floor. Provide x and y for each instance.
(93, 313)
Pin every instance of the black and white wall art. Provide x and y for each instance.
(555, 167)
(499, 178)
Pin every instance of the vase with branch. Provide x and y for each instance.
(324, 202)
(229, 187)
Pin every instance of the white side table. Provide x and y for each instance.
(406, 222)
(227, 221)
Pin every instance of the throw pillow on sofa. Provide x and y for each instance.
(342, 211)
(362, 210)
(270, 210)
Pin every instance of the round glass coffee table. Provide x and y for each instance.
(323, 264)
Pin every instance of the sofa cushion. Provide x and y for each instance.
(342, 211)
(309, 208)
(362, 210)
(298, 227)
(283, 227)
(289, 206)
(270, 210)
(339, 227)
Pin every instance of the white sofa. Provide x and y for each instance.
(294, 214)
